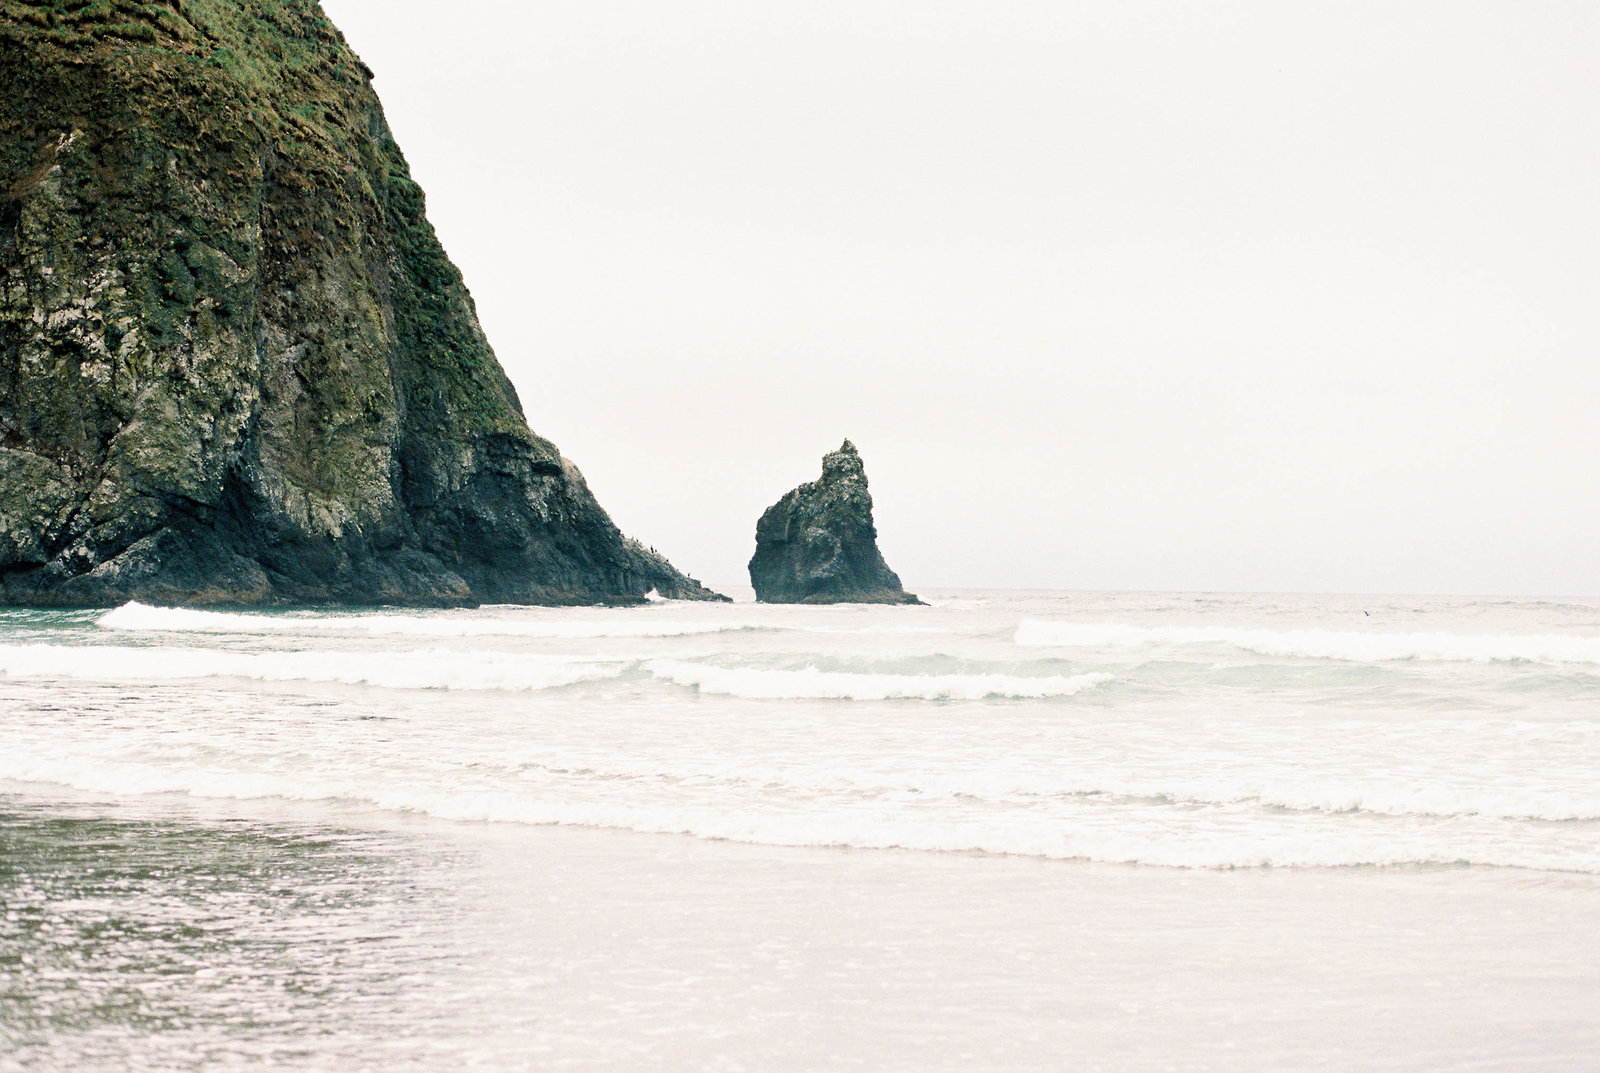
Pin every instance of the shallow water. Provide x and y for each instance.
(335, 840)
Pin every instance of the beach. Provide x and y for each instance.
(1021, 831)
(212, 938)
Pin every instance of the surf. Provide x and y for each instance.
(1348, 645)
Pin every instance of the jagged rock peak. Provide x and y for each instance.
(843, 463)
(235, 364)
(818, 544)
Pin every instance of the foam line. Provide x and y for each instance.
(397, 670)
(811, 683)
(138, 617)
(1319, 644)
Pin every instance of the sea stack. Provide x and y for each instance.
(235, 364)
(817, 545)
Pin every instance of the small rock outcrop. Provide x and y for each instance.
(236, 365)
(817, 545)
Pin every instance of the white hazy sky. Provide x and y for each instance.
(1214, 295)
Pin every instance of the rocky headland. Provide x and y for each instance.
(235, 364)
(817, 545)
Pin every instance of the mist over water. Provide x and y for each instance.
(1200, 734)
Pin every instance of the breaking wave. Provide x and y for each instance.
(1319, 644)
(142, 617)
(542, 623)
(507, 671)
(811, 683)
(396, 670)
(756, 723)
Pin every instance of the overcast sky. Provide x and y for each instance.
(1118, 295)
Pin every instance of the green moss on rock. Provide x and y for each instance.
(235, 362)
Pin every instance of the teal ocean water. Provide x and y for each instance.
(322, 839)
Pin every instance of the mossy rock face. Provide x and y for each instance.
(235, 364)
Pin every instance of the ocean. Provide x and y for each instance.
(1011, 830)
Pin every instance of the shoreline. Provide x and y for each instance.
(333, 814)
(594, 947)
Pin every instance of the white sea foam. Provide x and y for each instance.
(1232, 795)
(720, 734)
(396, 670)
(1138, 836)
(142, 617)
(554, 624)
(1346, 798)
(1320, 644)
(507, 671)
(812, 683)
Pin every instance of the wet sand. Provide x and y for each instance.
(311, 938)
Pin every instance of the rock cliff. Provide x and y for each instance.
(235, 364)
(817, 545)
